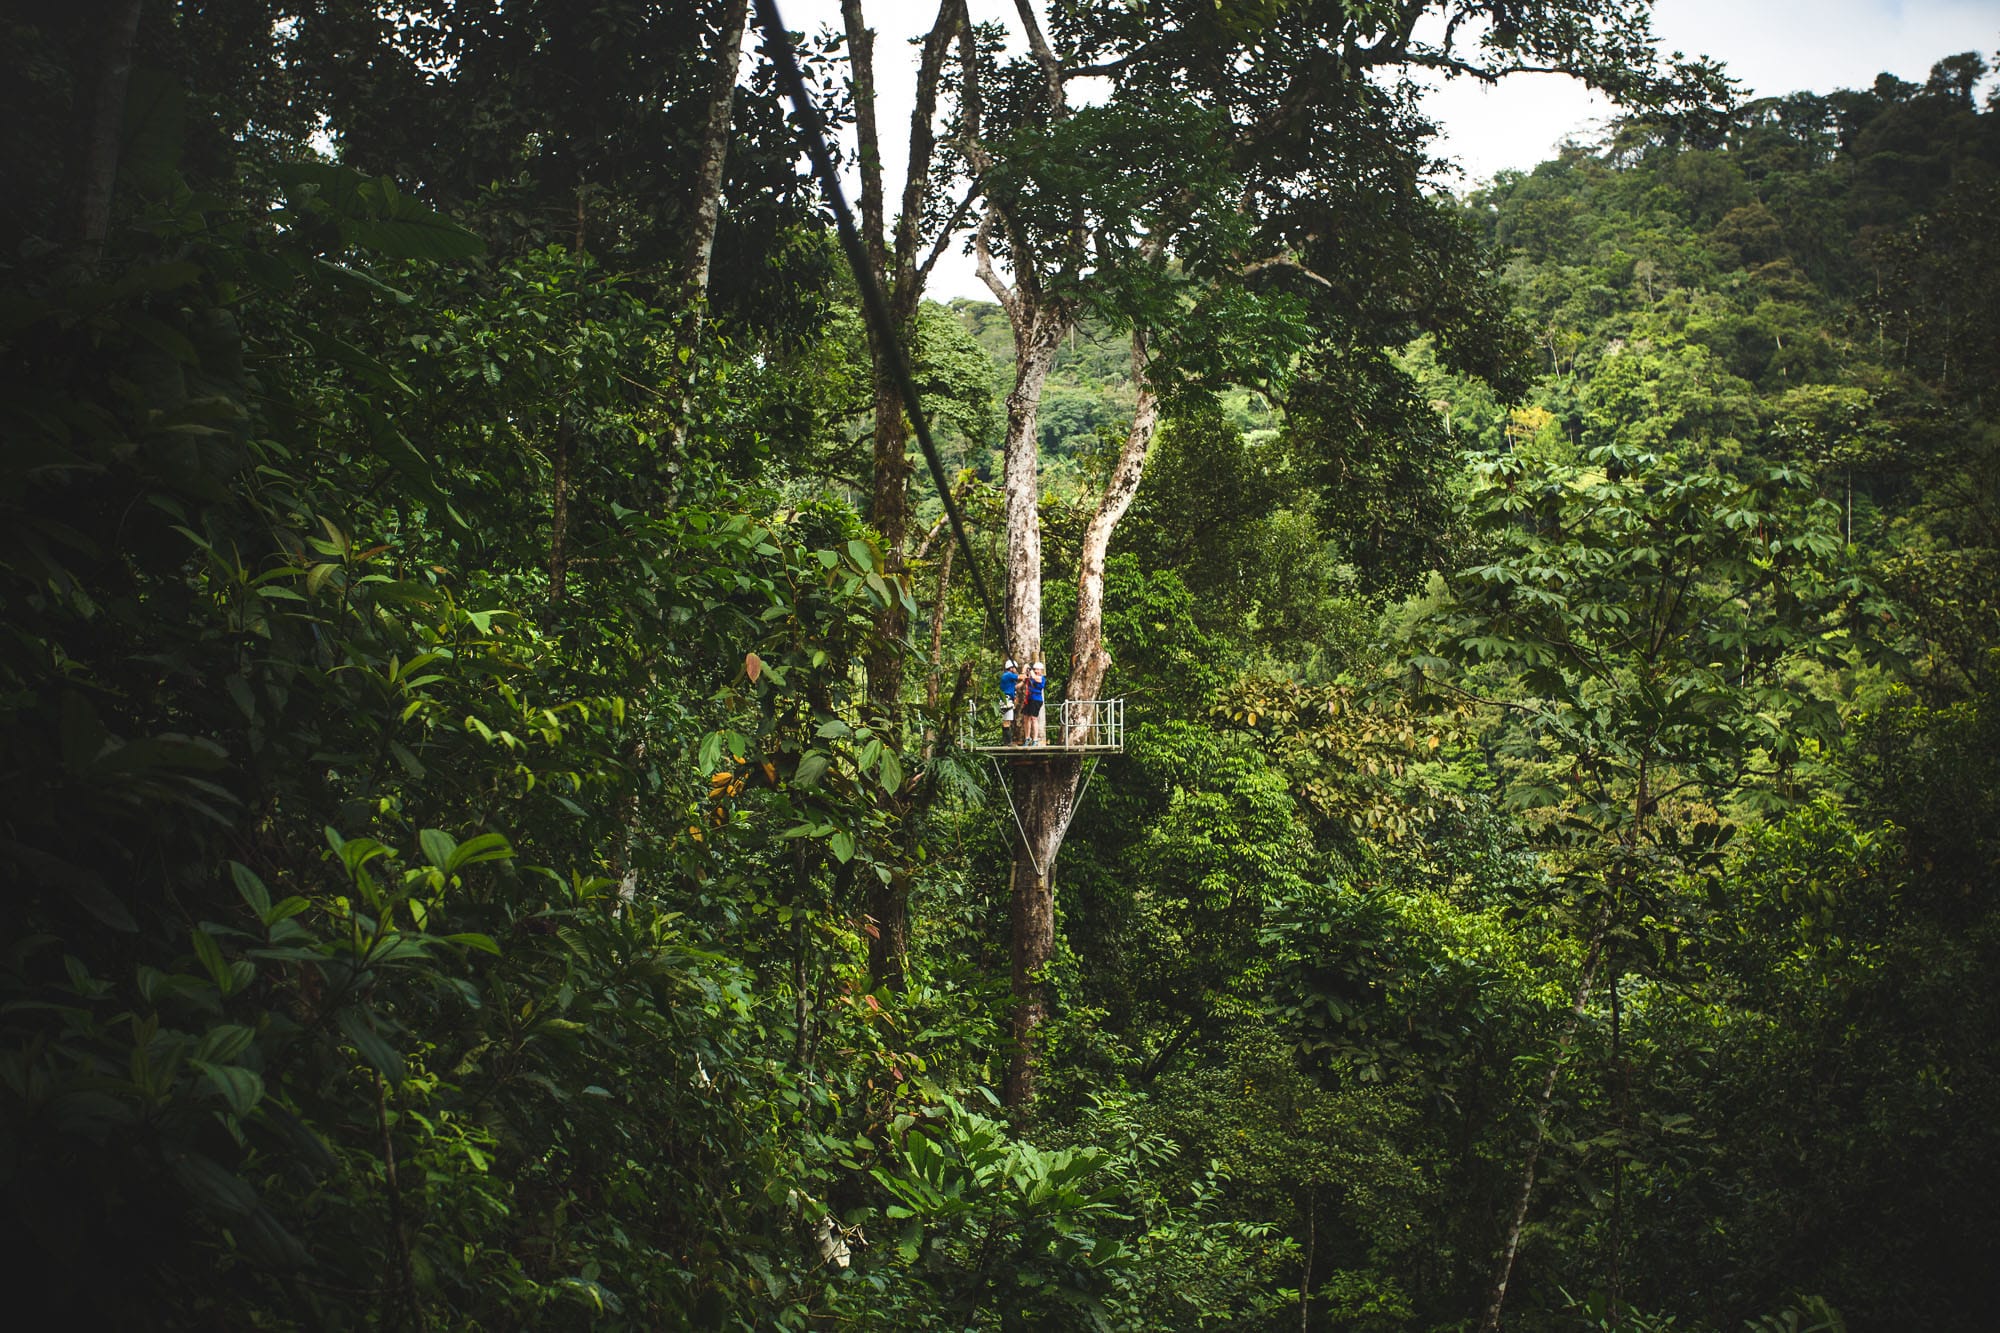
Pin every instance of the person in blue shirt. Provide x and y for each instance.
(1031, 710)
(1010, 684)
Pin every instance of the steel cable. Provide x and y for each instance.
(778, 43)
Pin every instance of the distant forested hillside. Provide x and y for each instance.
(1818, 288)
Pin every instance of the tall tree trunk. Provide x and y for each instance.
(889, 513)
(888, 501)
(1088, 660)
(1047, 791)
(889, 903)
(902, 280)
(1043, 789)
(1036, 341)
(107, 121)
(1042, 798)
(708, 176)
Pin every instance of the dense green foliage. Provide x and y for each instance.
(443, 791)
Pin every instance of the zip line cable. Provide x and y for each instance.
(813, 130)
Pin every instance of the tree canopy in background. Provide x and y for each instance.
(1549, 883)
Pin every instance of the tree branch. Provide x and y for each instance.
(923, 144)
(861, 58)
(982, 254)
(959, 492)
(1290, 261)
(971, 101)
(1045, 56)
(949, 229)
(1451, 65)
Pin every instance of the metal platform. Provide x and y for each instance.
(1084, 729)
(1080, 727)
(1023, 754)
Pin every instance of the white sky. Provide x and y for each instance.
(1770, 46)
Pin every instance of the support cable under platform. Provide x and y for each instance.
(1069, 811)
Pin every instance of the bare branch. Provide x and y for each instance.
(982, 254)
(959, 491)
(923, 144)
(1395, 43)
(1109, 70)
(1290, 261)
(1045, 56)
(949, 229)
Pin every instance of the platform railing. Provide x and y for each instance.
(1079, 724)
(1095, 724)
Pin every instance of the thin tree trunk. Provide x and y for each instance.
(398, 1223)
(1512, 1247)
(801, 972)
(907, 286)
(559, 468)
(628, 846)
(867, 140)
(1306, 1276)
(937, 627)
(714, 155)
(1618, 1157)
(700, 252)
(107, 122)
(902, 280)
